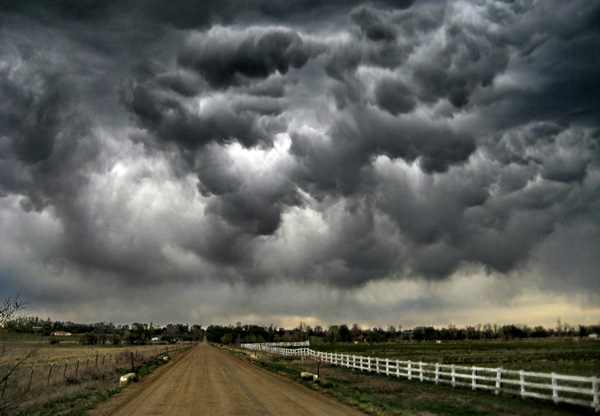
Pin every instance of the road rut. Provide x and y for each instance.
(208, 381)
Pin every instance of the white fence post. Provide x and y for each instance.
(437, 373)
(596, 401)
(474, 379)
(554, 388)
(387, 366)
(498, 381)
(409, 368)
(398, 368)
(522, 382)
(453, 375)
(420, 371)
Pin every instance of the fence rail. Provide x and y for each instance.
(547, 386)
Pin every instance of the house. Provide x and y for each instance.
(61, 334)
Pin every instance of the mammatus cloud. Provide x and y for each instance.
(335, 144)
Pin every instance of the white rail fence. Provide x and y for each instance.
(548, 386)
(254, 345)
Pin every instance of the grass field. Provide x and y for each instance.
(380, 395)
(549, 355)
(39, 378)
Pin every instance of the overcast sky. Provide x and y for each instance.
(271, 162)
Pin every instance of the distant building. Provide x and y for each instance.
(61, 333)
(594, 336)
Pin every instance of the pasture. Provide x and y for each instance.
(570, 356)
(37, 377)
(380, 395)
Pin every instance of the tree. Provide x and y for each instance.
(9, 309)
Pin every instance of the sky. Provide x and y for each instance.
(270, 162)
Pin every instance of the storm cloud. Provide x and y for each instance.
(265, 144)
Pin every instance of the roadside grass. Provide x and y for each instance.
(72, 390)
(379, 395)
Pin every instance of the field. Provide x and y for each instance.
(550, 355)
(380, 395)
(37, 377)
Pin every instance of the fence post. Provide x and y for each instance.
(87, 364)
(49, 374)
(437, 373)
(96, 360)
(498, 381)
(453, 375)
(596, 401)
(554, 388)
(377, 365)
(474, 379)
(77, 368)
(369, 364)
(421, 371)
(30, 377)
(409, 368)
(398, 368)
(387, 366)
(65, 372)
(522, 382)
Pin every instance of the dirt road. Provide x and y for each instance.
(207, 381)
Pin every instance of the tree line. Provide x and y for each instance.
(343, 333)
(106, 332)
(142, 333)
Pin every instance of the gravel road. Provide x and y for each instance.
(207, 381)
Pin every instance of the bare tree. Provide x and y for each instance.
(9, 309)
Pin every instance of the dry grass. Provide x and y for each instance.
(65, 376)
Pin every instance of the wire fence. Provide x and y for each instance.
(19, 378)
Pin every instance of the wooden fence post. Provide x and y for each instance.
(498, 381)
(65, 372)
(49, 374)
(77, 368)
(30, 378)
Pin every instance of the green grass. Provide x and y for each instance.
(563, 357)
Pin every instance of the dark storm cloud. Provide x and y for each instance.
(425, 136)
(224, 61)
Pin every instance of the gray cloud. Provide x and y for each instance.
(336, 143)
